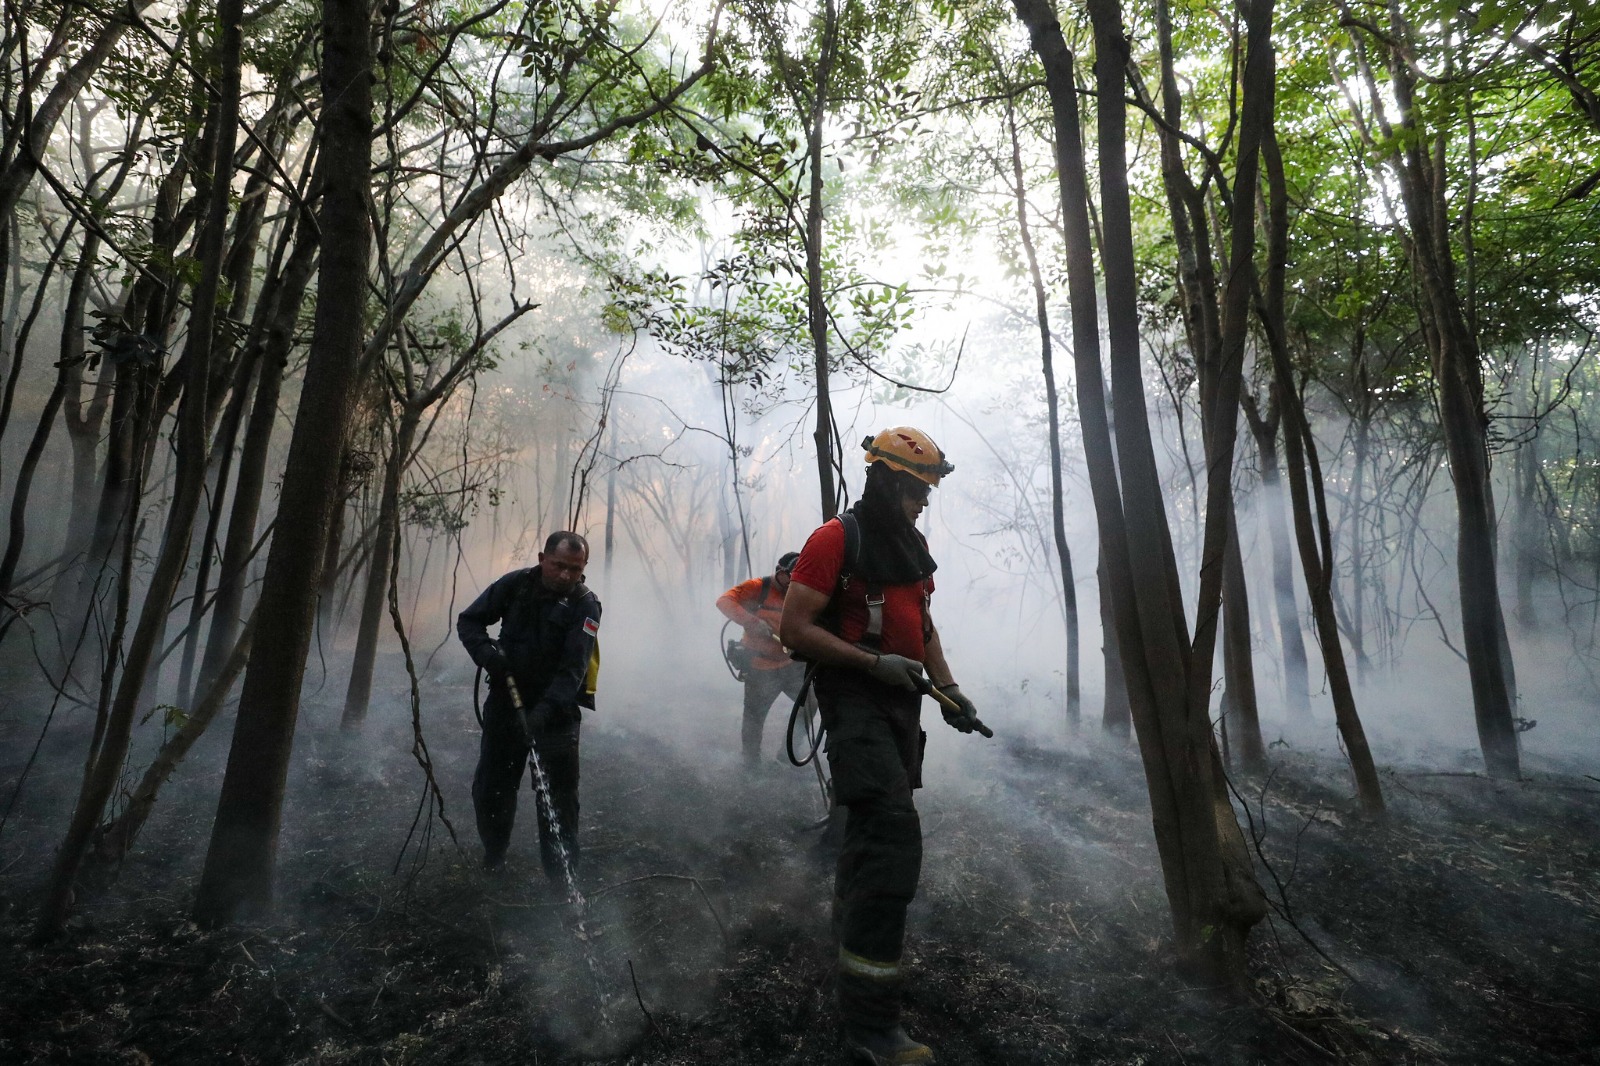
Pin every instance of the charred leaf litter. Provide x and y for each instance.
(1465, 929)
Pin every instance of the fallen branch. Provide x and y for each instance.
(640, 1000)
(695, 881)
(323, 1006)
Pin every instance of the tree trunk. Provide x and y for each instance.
(1115, 717)
(611, 503)
(1217, 324)
(1299, 449)
(1357, 539)
(221, 473)
(1529, 537)
(375, 596)
(238, 874)
(1058, 507)
(70, 364)
(1238, 665)
(1213, 897)
(101, 778)
(114, 840)
(1296, 675)
(239, 544)
(816, 304)
(139, 336)
(1458, 374)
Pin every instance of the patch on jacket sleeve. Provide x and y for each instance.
(591, 626)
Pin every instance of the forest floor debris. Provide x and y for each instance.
(1464, 929)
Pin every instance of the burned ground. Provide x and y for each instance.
(1465, 929)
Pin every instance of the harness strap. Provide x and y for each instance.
(872, 638)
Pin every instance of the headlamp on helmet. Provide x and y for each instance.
(911, 450)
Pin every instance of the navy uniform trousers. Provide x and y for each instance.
(875, 753)
(502, 761)
(761, 687)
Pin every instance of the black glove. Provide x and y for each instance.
(964, 719)
(495, 663)
(538, 717)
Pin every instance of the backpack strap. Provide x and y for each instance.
(872, 637)
(852, 546)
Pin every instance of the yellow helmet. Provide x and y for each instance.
(911, 450)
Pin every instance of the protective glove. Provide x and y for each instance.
(537, 718)
(898, 671)
(495, 663)
(966, 717)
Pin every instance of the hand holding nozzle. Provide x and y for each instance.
(899, 671)
(532, 719)
(957, 709)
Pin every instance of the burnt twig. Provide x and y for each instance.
(640, 1000)
(323, 1006)
(695, 881)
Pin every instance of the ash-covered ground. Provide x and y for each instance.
(1465, 929)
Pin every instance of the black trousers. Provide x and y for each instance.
(875, 752)
(761, 687)
(502, 760)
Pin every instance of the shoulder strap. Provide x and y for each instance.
(766, 589)
(852, 546)
(873, 635)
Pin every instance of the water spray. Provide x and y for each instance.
(575, 896)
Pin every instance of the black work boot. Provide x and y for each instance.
(885, 1047)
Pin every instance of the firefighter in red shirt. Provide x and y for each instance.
(757, 605)
(858, 608)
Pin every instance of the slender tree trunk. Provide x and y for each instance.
(84, 421)
(611, 503)
(375, 596)
(330, 608)
(1238, 664)
(1115, 717)
(816, 303)
(115, 840)
(1458, 376)
(1296, 674)
(240, 861)
(1058, 507)
(239, 544)
(1528, 538)
(221, 472)
(1311, 532)
(100, 781)
(1357, 510)
(136, 347)
(71, 364)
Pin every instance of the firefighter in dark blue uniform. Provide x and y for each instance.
(549, 621)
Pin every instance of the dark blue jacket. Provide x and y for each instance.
(547, 637)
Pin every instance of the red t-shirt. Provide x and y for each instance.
(904, 606)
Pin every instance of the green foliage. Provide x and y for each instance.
(172, 717)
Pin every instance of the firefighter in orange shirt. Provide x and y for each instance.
(757, 605)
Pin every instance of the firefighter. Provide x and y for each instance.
(549, 622)
(757, 605)
(858, 607)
